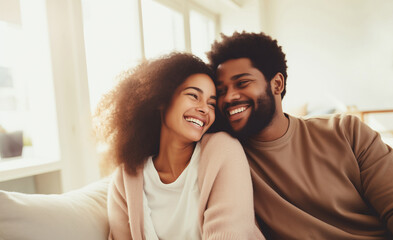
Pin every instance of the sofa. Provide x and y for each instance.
(76, 215)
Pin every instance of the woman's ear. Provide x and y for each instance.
(277, 84)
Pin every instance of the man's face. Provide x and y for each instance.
(244, 97)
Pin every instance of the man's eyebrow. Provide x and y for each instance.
(200, 90)
(234, 78)
(237, 76)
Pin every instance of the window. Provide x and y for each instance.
(119, 34)
(112, 42)
(203, 32)
(163, 29)
(26, 85)
(44, 46)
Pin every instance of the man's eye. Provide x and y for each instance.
(220, 92)
(243, 83)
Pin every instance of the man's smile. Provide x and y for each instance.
(233, 108)
(236, 111)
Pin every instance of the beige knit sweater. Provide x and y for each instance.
(326, 178)
(226, 209)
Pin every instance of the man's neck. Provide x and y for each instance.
(276, 129)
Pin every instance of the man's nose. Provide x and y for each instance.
(231, 95)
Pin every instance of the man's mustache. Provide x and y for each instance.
(236, 103)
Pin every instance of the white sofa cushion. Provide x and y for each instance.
(77, 215)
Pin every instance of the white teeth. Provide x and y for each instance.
(195, 121)
(237, 110)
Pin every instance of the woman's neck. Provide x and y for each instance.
(173, 158)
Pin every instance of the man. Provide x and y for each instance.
(320, 178)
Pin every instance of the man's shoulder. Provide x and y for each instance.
(339, 120)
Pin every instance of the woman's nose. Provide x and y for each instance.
(203, 108)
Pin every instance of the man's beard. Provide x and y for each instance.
(261, 116)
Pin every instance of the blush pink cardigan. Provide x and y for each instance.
(226, 209)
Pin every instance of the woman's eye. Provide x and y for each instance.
(212, 105)
(193, 95)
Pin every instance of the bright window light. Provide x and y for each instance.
(27, 101)
(112, 42)
(202, 33)
(163, 29)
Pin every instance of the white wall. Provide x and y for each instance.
(237, 15)
(248, 17)
(341, 49)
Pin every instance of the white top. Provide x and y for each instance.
(171, 210)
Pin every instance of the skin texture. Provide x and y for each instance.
(195, 99)
(241, 86)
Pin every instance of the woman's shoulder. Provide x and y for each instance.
(220, 146)
(220, 153)
(120, 176)
(119, 172)
(220, 138)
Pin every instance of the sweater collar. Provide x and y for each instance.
(278, 142)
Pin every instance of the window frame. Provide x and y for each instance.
(184, 7)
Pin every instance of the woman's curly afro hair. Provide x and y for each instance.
(128, 118)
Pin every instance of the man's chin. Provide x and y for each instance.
(237, 127)
(240, 133)
(249, 129)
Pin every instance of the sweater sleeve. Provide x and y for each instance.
(375, 160)
(229, 211)
(117, 208)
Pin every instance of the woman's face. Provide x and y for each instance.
(191, 110)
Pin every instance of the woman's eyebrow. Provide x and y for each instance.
(195, 88)
(201, 91)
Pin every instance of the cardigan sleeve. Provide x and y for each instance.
(375, 160)
(227, 187)
(117, 208)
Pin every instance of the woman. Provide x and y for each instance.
(169, 184)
